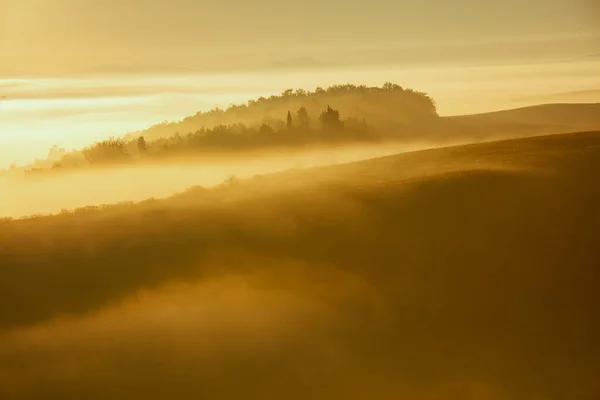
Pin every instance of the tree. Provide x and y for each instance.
(266, 129)
(141, 144)
(390, 87)
(330, 119)
(290, 122)
(106, 151)
(303, 117)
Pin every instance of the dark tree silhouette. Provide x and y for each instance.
(330, 119)
(266, 129)
(290, 122)
(303, 117)
(110, 150)
(141, 144)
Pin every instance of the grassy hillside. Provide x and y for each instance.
(526, 121)
(568, 115)
(467, 272)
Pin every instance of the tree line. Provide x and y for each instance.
(297, 129)
(294, 118)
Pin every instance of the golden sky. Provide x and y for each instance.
(61, 36)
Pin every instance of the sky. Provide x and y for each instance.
(76, 71)
(66, 36)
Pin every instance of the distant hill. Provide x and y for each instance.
(525, 121)
(388, 106)
(407, 113)
(367, 114)
(548, 114)
(578, 96)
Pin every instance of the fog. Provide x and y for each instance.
(267, 329)
(452, 273)
(24, 196)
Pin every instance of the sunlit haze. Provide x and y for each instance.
(324, 200)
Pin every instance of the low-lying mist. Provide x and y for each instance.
(456, 273)
(279, 325)
(52, 193)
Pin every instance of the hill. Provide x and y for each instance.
(296, 119)
(392, 113)
(383, 106)
(455, 273)
(565, 115)
(392, 109)
(300, 119)
(526, 121)
(579, 96)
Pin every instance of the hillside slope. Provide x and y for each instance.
(551, 114)
(579, 96)
(468, 272)
(527, 121)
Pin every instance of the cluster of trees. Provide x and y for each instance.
(385, 107)
(298, 128)
(391, 110)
